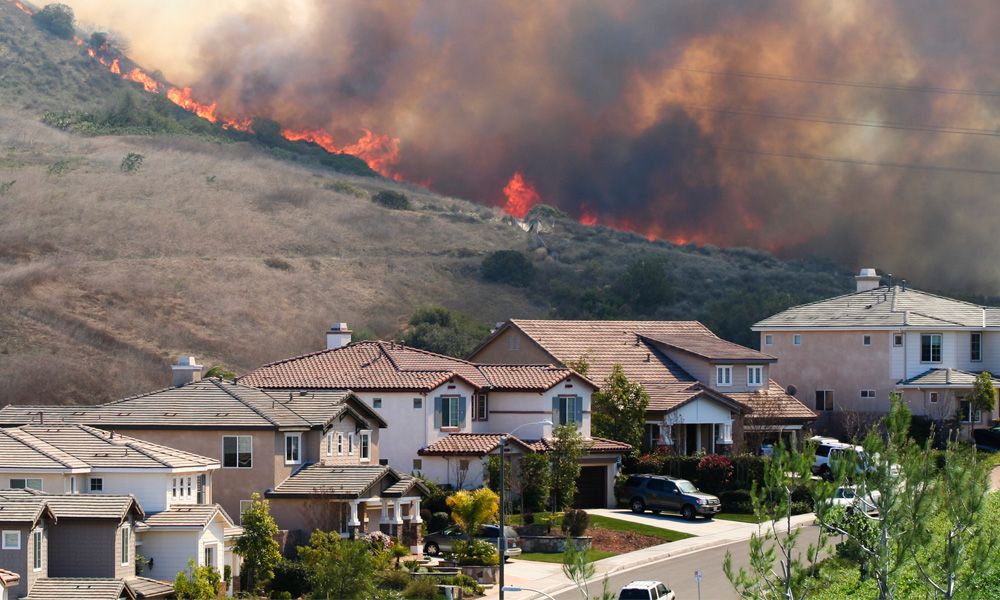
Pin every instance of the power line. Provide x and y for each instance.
(842, 83)
(857, 161)
(840, 121)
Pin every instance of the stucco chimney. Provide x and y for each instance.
(338, 336)
(187, 370)
(867, 279)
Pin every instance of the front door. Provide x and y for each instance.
(691, 439)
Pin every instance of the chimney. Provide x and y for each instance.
(867, 279)
(187, 370)
(338, 336)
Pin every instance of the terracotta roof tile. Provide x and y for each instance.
(481, 444)
(710, 348)
(774, 404)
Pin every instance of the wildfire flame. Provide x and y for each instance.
(379, 150)
(115, 67)
(521, 196)
(182, 98)
(148, 83)
(588, 218)
(23, 8)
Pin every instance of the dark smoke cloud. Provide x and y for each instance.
(583, 98)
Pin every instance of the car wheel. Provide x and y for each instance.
(826, 473)
(431, 549)
(656, 511)
(688, 512)
(638, 506)
(709, 516)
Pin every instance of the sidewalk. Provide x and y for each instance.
(549, 578)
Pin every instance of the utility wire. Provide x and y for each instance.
(857, 161)
(842, 83)
(840, 121)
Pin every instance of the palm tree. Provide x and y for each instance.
(471, 509)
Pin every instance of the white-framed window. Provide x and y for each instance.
(36, 550)
(976, 347)
(513, 342)
(173, 487)
(481, 408)
(450, 411)
(930, 347)
(376, 403)
(237, 452)
(866, 340)
(125, 542)
(188, 487)
(755, 376)
(933, 397)
(418, 403)
(210, 556)
(723, 375)
(350, 444)
(329, 443)
(364, 446)
(340, 443)
(244, 506)
(418, 464)
(97, 484)
(824, 400)
(897, 340)
(867, 394)
(11, 540)
(293, 448)
(797, 339)
(72, 485)
(20, 483)
(768, 340)
(967, 414)
(569, 410)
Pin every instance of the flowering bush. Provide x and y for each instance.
(650, 463)
(378, 540)
(714, 472)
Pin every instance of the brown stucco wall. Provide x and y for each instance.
(498, 351)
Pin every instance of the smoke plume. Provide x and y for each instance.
(865, 131)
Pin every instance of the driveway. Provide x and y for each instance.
(697, 527)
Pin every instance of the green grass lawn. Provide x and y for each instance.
(737, 517)
(618, 525)
(556, 557)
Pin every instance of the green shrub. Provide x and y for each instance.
(470, 587)
(6, 185)
(508, 266)
(290, 576)
(651, 463)
(392, 200)
(575, 522)
(747, 469)
(714, 472)
(396, 580)
(681, 467)
(478, 552)
(132, 162)
(342, 187)
(57, 19)
(438, 329)
(736, 501)
(439, 521)
(422, 588)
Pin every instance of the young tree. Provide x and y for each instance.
(565, 458)
(493, 477)
(772, 504)
(619, 410)
(342, 568)
(257, 545)
(534, 482)
(983, 396)
(578, 569)
(202, 584)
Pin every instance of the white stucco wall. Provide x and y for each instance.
(170, 551)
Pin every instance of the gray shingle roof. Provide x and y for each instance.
(195, 515)
(16, 506)
(944, 378)
(73, 506)
(885, 307)
(144, 587)
(78, 588)
(345, 482)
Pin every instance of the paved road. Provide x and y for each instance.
(678, 572)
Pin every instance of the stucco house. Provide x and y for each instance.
(431, 401)
(848, 353)
(316, 443)
(705, 393)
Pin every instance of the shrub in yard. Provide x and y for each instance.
(714, 472)
(290, 576)
(478, 552)
(391, 199)
(682, 467)
(650, 463)
(396, 580)
(132, 162)
(747, 469)
(439, 521)
(508, 266)
(470, 587)
(575, 522)
(737, 501)
(422, 588)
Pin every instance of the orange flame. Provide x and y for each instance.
(320, 137)
(77, 41)
(379, 150)
(115, 67)
(91, 53)
(182, 98)
(148, 83)
(238, 124)
(588, 218)
(23, 8)
(521, 196)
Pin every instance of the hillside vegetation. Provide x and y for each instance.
(111, 266)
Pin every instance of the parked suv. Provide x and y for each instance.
(657, 493)
(829, 452)
(646, 590)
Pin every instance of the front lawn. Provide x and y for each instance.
(666, 535)
(556, 557)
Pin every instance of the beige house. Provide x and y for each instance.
(845, 355)
(705, 393)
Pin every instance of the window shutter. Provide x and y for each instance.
(462, 401)
(555, 411)
(579, 409)
(437, 412)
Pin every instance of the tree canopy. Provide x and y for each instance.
(444, 331)
(619, 409)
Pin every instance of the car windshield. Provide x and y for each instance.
(634, 594)
(686, 486)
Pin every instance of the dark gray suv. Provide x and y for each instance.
(658, 493)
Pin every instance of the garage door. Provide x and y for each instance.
(592, 488)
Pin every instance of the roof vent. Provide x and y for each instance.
(867, 279)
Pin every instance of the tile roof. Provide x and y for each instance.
(345, 482)
(144, 587)
(93, 506)
(597, 446)
(8, 578)
(82, 447)
(943, 378)
(17, 506)
(710, 348)
(208, 403)
(891, 307)
(481, 444)
(379, 365)
(773, 404)
(79, 588)
(193, 515)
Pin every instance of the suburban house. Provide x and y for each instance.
(847, 354)
(705, 394)
(314, 454)
(446, 414)
(73, 546)
(181, 523)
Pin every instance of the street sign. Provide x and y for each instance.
(697, 576)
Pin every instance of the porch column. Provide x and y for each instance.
(410, 535)
(697, 438)
(353, 524)
(415, 511)
(397, 518)
(384, 524)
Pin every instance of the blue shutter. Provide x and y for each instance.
(579, 409)
(437, 412)
(462, 401)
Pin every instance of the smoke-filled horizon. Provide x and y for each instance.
(727, 123)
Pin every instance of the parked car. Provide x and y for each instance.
(646, 590)
(847, 496)
(658, 493)
(830, 451)
(444, 541)
(987, 440)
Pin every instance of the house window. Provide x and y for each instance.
(340, 443)
(125, 536)
(824, 400)
(867, 394)
(967, 414)
(723, 376)
(797, 339)
(450, 411)
(244, 506)
(650, 436)
(237, 451)
(189, 487)
(202, 483)
(12, 540)
(755, 376)
(376, 403)
(866, 340)
(329, 443)
(976, 347)
(481, 408)
(25, 483)
(384, 462)
(36, 550)
(364, 442)
(293, 443)
(463, 465)
(513, 342)
(97, 484)
(769, 340)
(210, 556)
(418, 403)
(569, 410)
(350, 444)
(72, 485)
(173, 487)
(930, 347)
(418, 464)
(897, 340)
(933, 397)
